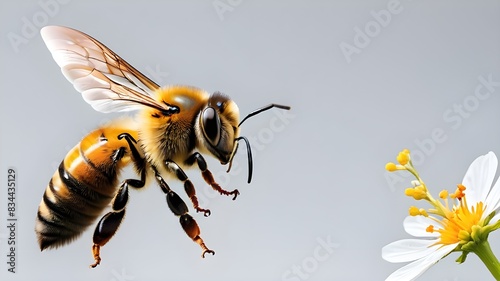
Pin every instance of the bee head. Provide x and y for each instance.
(218, 123)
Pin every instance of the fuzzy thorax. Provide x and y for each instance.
(171, 137)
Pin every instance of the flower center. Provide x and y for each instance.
(458, 220)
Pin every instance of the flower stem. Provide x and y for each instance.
(483, 251)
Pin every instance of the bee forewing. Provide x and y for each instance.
(106, 81)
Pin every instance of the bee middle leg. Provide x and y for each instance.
(179, 208)
(188, 186)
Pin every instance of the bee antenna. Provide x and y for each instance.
(267, 107)
(232, 156)
(249, 150)
(249, 154)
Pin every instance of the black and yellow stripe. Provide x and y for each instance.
(84, 184)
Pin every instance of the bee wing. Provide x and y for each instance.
(106, 81)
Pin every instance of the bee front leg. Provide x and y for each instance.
(110, 222)
(188, 186)
(179, 208)
(207, 175)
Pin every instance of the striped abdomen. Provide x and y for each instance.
(82, 187)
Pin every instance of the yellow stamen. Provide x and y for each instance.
(460, 221)
(443, 194)
(420, 188)
(414, 211)
(459, 193)
(418, 193)
(391, 167)
(430, 229)
(409, 192)
(424, 213)
(403, 157)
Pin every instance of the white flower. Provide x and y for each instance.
(451, 223)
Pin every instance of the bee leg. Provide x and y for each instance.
(110, 222)
(188, 186)
(207, 175)
(180, 209)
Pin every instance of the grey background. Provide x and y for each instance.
(319, 175)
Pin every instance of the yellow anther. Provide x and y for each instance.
(459, 193)
(443, 194)
(430, 229)
(420, 188)
(403, 157)
(418, 193)
(409, 191)
(391, 167)
(414, 211)
(423, 213)
(420, 196)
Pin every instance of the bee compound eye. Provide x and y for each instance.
(211, 125)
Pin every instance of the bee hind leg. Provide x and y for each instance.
(180, 209)
(110, 222)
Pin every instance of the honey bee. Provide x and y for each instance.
(173, 128)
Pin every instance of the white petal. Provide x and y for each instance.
(493, 200)
(408, 250)
(479, 177)
(416, 225)
(415, 269)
